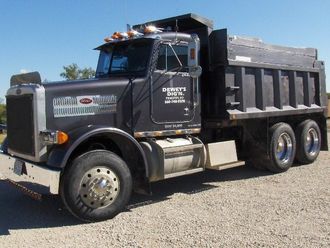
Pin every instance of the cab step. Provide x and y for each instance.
(227, 166)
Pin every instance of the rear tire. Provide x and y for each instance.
(282, 148)
(96, 186)
(308, 137)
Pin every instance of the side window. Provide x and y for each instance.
(168, 61)
(103, 64)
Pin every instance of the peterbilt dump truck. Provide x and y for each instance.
(170, 97)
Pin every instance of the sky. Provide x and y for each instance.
(45, 35)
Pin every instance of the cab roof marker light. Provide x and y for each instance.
(152, 29)
(108, 39)
(133, 33)
(119, 35)
(124, 35)
(116, 36)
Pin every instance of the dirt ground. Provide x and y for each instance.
(238, 207)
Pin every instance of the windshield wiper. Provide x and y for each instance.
(176, 55)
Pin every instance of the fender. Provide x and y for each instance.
(60, 155)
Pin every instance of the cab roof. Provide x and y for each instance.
(187, 23)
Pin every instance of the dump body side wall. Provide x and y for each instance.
(250, 79)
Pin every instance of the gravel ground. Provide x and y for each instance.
(238, 207)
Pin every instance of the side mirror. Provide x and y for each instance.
(193, 51)
(193, 57)
(195, 71)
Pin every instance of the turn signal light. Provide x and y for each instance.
(54, 137)
(62, 137)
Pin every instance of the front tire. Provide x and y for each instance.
(308, 142)
(96, 186)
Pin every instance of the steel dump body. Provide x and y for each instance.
(251, 79)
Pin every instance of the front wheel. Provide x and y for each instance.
(96, 186)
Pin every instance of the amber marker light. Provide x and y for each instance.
(108, 39)
(192, 53)
(152, 29)
(116, 36)
(133, 33)
(177, 132)
(62, 137)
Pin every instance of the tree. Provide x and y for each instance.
(73, 72)
(3, 115)
(87, 73)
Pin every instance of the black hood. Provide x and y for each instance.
(72, 104)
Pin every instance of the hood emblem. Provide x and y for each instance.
(85, 100)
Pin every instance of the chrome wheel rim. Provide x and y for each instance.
(99, 187)
(312, 142)
(284, 148)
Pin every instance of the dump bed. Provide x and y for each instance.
(252, 79)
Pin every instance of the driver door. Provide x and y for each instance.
(172, 88)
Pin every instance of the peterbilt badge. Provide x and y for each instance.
(85, 100)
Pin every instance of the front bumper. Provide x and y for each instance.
(21, 171)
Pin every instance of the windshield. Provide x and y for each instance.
(124, 58)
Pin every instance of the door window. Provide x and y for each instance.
(170, 58)
(172, 99)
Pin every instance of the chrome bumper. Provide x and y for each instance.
(21, 171)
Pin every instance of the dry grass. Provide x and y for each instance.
(2, 137)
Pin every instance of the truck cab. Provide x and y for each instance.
(160, 70)
(146, 87)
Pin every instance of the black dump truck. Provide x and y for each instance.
(170, 97)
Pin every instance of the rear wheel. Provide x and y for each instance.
(282, 148)
(308, 141)
(96, 186)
